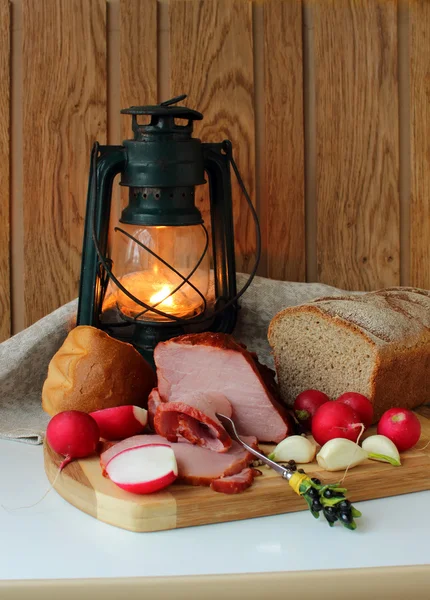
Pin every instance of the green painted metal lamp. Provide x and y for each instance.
(155, 282)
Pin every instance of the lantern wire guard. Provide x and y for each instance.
(106, 263)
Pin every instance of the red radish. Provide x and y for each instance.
(306, 405)
(335, 420)
(74, 434)
(120, 422)
(362, 406)
(401, 426)
(143, 469)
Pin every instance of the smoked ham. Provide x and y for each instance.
(234, 484)
(193, 417)
(154, 402)
(214, 362)
(196, 465)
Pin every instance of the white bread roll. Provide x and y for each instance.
(92, 371)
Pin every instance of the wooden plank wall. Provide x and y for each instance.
(357, 143)
(419, 48)
(5, 323)
(283, 192)
(326, 103)
(211, 56)
(64, 87)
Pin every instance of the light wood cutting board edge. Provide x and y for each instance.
(82, 484)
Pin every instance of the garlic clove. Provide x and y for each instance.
(379, 447)
(297, 448)
(339, 454)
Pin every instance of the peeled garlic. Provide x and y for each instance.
(295, 447)
(339, 454)
(379, 447)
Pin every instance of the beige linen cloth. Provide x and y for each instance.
(24, 358)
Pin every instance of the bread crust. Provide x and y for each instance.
(92, 371)
(400, 376)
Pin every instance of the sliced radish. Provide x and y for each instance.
(120, 422)
(143, 469)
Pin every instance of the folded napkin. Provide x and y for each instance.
(25, 357)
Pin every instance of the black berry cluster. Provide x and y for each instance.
(330, 500)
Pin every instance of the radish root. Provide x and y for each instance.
(423, 448)
(65, 462)
(9, 509)
(356, 443)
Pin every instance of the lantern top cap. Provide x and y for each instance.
(167, 108)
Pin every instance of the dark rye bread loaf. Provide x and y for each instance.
(377, 344)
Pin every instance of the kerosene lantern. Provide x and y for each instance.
(157, 276)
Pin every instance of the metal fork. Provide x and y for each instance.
(312, 490)
(230, 427)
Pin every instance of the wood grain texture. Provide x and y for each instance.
(419, 22)
(284, 140)
(357, 142)
(64, 63)
(83, 485)
(211, 61)
(138, 52)
(138, 70)
(5, 300)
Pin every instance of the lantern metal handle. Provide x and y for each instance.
(111, 161)
(217, 166)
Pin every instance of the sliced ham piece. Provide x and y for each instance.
(234, 484)
(199, 466)
(154, 401)
(214, 362)
(192, 416)
(196, 466)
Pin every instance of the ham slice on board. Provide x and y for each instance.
(234, 484)
(214, 362)
(193, 417)
(196, 466)
(154, 402)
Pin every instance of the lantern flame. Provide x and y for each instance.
(162, 297)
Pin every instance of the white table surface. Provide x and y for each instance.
(54, 540)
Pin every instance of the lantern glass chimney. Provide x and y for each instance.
(160, 283)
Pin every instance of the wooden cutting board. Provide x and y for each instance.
(81, 483)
